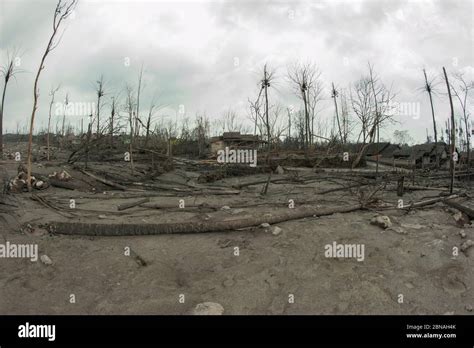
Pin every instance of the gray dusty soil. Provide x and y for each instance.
(414, 259)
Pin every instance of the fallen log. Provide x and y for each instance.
(129, 205)
(258, 182)
(104, 181)
(427, 188)
(62, 184)
(159, 187)
(340, 189)
(468, 211)
(429, 202)
(135, 229)
(48, 204)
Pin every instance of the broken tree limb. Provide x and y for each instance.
(104, 181)
(48, 204)
(129, 205)
(340, 189)
(468, 211)
(258, 182)
(429, 202)
(98, 229)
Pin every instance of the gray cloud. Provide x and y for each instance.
(188, 49)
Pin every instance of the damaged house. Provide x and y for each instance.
(423, 155)
(234, 140)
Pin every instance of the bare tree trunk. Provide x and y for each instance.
(468, 145)
(337, 113)
(100, 94)
(131, 144)
(49, 125)
(61, 12)
(147, 135)
(428, 89)
(306, 116)
(138, 102)
(61, 141)
(1, 118)
(266, 109)
(432, 108)
(88, 139)
(453, 136)
(289, 123)
(112, 116)
(377, 118)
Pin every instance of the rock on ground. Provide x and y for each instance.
(381, 221)
(466, 245)
(276, 230)
(208, 308)
(46, 260)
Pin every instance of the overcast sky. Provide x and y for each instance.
(207, 55)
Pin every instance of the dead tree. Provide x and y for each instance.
(130, 107)
(62, 11)
(88, 139)
(344, 117)
(100, 93)
(202, 129)
(315, 95)
(453, 132)
(334, 95)
(66, 103)
(377, 116)
(255, 113)
(8, 71)
(148, 121)
(429, 89)
(114, 106)
(267, 78)
(51, 93)
(137, 119)
(304, 77)
(289, 122)
(462, 93)
(362, 102)
(383, 98)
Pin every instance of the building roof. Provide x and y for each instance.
(420, 150)
(235, 136)
(374, 149)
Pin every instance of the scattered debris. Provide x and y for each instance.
(461, 219)
(279, 170)
(61, 176)
(462, 234)
(466, 245)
